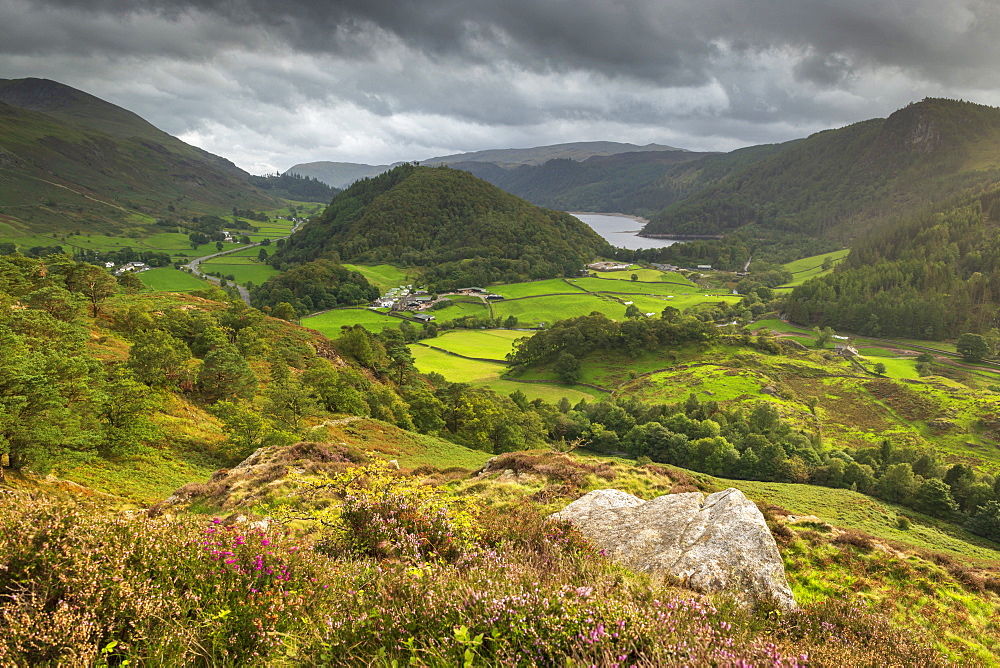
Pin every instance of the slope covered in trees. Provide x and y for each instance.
(463, 230)
(837, 182)
(295, 187)
(930, 276)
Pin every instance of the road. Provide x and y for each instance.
(244, 293)
(193, 267)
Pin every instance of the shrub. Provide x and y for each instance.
(384, 514)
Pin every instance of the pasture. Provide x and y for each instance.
(812, 267)
(535, 288)
(329, 323)
(382, 276)
(487, 374)
(168, 279)
(485, 343)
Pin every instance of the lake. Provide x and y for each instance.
(621, 231)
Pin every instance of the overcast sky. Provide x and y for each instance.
(271, 83)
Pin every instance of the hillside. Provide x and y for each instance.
(72, 161)
(932, 275)
(837, 183)
(461, 229)
(337, 174)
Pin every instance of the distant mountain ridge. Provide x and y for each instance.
(838, 183)
(342, 174)
(71, 161)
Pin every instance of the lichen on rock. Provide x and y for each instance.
(714, 544)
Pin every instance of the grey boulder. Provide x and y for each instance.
(718, 544)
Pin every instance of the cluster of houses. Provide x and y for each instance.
(405, 298)
(609, 266)
(130, 266)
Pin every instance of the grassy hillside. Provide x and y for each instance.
(838, 182)
(71, 161)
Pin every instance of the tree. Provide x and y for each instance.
(245, 426)
(284, 311)
(158, 359)
(823, 336)
(568, 368)
(122, 410)
(933, 496)
(219, 245)
(287, 400)
(92, 282)
(897, 484)
(635, 277)
(130, 282)
(972, 347)
(262, 255)
(986, 522)
(879, 368)
(633, 311)
(225, 373)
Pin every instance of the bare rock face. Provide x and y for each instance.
(716, 544)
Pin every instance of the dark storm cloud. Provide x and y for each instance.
(666, 41)
(268, 81)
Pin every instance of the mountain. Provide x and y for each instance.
(342, 174)
(70, 161)
(337, 174)
(463, 230)
(509, 157)
(837, 183)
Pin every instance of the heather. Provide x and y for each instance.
(79, 586)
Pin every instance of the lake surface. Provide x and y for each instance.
(621, 231)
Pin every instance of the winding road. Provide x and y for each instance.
(244, 293)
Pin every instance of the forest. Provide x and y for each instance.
(929, 276)
(461, 229)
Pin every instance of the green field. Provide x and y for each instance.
(383, 276)
(485, 343)
(604, 285)
(649, 275)
(459, 309)
(329, 323)
(537, 310)
(487, 374)
(776, 325)
(534, 288)
(811, 267)
(242, 269)
(168, 279)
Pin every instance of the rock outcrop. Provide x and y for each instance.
(716, 544)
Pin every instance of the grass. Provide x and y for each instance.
(487, 343)
(547, 310)
(844, 508)
(408, 448)
(650, 275)
(460, 308)
(603, 285)
(383, 276)
(242, 272)
(776, 325)
(487, 374)
(168, 279)
(329, 323)
(812, 267)
(534, 288)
